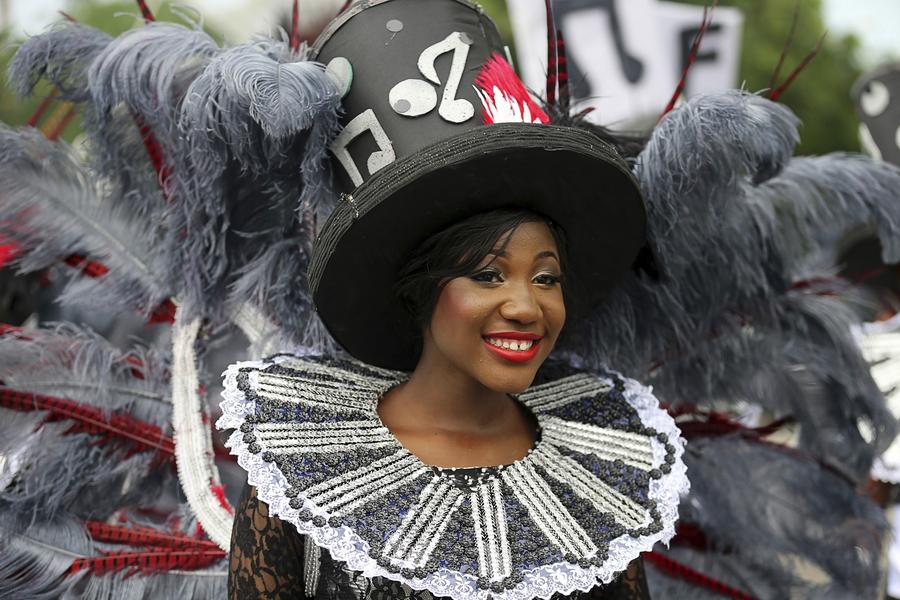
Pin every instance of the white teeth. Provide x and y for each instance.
(518, 346)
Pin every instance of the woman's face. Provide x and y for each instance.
(500, 324)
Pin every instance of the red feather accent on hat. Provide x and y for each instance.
(504, 96)
(123, 428)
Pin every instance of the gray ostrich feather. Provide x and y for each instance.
(55, 470)
(710, 174)
(253, 99)
(815, 198)
(255, 105)
(35, 556)
(117, 154)
(697, 161)
(138, 81)
(275, 281)
(757, 501)
(67, 361)
(694, 173)
(53, 207)
(146, 69)
(62, 55)
(736, 221)
(201, 584)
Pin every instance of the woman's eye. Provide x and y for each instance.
(486, 276)
(547, 279)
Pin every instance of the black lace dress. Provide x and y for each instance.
(268, 561)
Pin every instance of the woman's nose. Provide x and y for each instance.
(521, 304)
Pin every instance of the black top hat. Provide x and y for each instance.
(437, 128)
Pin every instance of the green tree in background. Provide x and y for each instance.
(820, 96)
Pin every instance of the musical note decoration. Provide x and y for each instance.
(415, 97)
(385, 155)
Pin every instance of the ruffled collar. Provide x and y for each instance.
(600, 486)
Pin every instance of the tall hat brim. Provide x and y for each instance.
(566, 174)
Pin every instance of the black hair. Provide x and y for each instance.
(457, 251)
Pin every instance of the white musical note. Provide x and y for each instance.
(410, 98)
(364, 121)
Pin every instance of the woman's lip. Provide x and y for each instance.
(518, 356)
(513, 335)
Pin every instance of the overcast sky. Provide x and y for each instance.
(876, 22)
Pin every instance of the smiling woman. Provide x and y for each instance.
(452, 457)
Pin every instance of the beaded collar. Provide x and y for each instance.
(600, 486)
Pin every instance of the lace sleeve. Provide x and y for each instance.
(266, 555)
(631, 585)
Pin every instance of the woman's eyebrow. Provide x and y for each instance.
(545, 254)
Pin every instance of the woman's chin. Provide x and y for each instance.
(509, 383)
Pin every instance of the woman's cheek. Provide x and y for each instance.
(460, 312)
(459, 304)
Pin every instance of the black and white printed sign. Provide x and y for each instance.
(625, 57)
(877, 95)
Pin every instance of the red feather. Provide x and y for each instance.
(8, 251)
(146, 12)
(42, 108)
(63, 123)
(777, 92)
(552, 62)
(497, 75)
(149, 561)
(692, 56)
(562, 75)
(219, 492)
(164, 313)
(142, 436)
(90, 268)
(676, 569)
(295, 27)
(145, 536)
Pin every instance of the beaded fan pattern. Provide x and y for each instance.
(600, 486)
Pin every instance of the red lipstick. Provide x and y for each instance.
(518, 356)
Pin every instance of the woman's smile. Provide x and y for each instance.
(513, 346)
